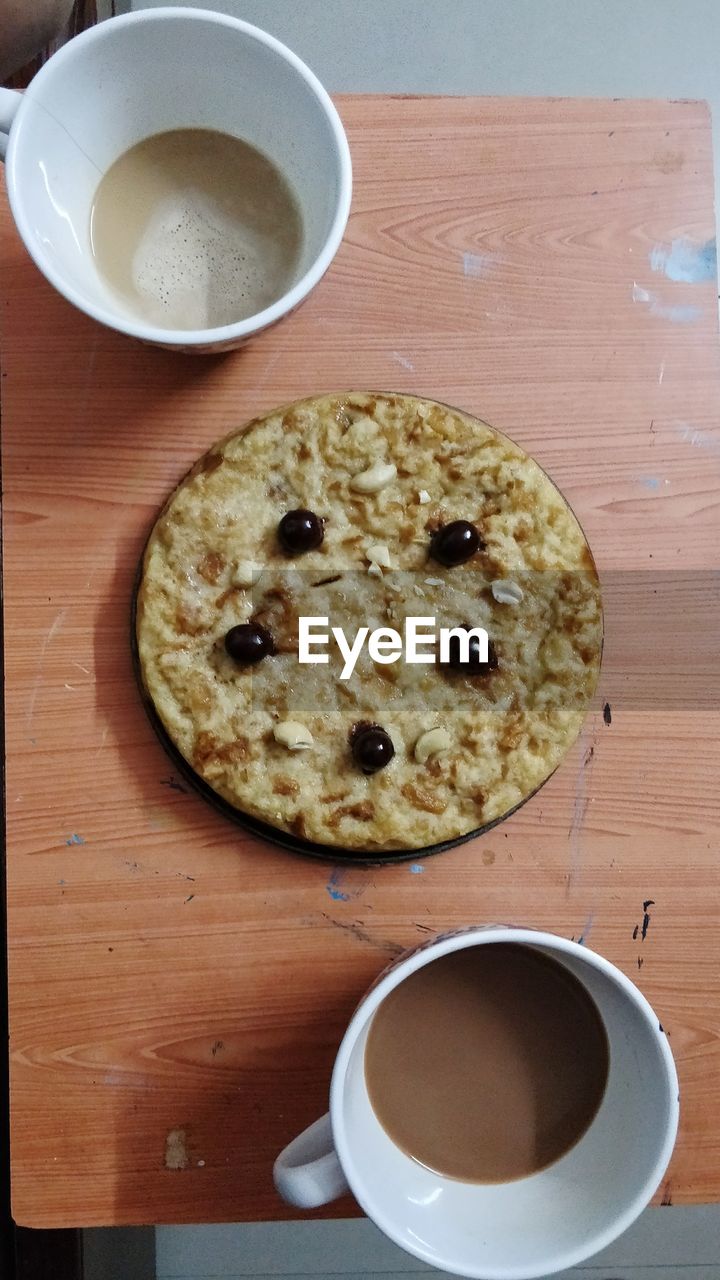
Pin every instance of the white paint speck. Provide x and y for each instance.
(639, 294)
(406, 363)
(699, 439)
(677, 314)
(267, 371)
(585, 931)
(55, 626)
(661, 374)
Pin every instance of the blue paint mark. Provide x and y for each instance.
(416, 869)
(685, 262)
(331, 887)
(75, 839)
(477, 265)
(586, 929)
(61, 881)
(680, 315)
(649, 482)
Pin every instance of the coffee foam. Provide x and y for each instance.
(196, 268)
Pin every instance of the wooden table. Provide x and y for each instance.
(178, 989)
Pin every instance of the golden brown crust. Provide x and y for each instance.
(508, 732)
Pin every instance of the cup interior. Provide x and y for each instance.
(145, 73)
(552, 1219)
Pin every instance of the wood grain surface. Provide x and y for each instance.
(177, 989)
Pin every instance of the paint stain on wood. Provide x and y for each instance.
(356, 929)
(649, 902)
(607, 713)
(580, 807)
(641, 931)
(669, 161)
(176, 1156)
(174, 785)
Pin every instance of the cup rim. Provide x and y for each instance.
(424, 954)
(222, 334)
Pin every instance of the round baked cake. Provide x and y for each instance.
(364, 511)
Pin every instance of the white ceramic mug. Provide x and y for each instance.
(144, 73)
(515, 1230)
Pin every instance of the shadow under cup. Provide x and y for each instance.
(146, 73)
(552, 1219)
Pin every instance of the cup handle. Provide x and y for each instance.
(10, 100)
(308, 1173)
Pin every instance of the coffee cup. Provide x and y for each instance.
(143, 74)
(530, 1226)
